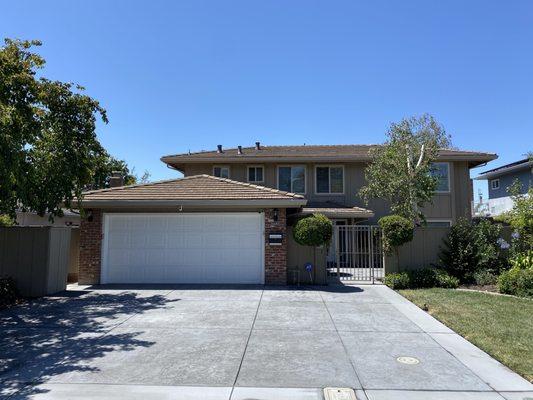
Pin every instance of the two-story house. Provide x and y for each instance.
(226, 220)
(499, 180)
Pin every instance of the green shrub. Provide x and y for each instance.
(8, 292)
(397, 230)
(446, 281)
(523, 260)
(314, 230)
(421, 278)
(399, 280)
(520, 217)
(6, 220)
(473, 246)
(485, 277)
(516, 281)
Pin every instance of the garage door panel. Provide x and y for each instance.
(175, 240)
(215, 224)
(138, 238)
(156, 240)
(119, 257)
(157, 223)
(184, 248)
(119, 222)
(155, 257)
(248, 226)
(119, 240)
(138, 223)
(192, 240)
(173, 257)
(250, 241)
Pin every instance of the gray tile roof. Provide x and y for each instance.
(198, 187)
(355, 152)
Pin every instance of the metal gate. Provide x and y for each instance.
(358, 253)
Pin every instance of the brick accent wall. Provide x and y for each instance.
(90, 249)
(276, 256)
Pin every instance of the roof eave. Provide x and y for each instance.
(244, 203)
(503, 171)
(178, 162)
(340, 214)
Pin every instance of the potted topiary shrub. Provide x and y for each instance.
(314, 231)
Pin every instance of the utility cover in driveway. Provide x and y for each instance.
(339, 394)
(183, 248)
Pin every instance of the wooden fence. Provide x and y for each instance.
(37, 258)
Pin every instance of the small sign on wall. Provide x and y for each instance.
(275, 238)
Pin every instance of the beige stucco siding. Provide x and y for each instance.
(446, 206)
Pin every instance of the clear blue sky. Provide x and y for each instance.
(180, 75)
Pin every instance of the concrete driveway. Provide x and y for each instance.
(239, 343)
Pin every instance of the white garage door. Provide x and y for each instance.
(183, 248)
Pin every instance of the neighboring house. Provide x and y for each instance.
(499, 180)
(32, 219)
(227, 220)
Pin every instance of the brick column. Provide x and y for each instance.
(90, 249)
(275, 256)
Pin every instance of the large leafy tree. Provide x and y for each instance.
(48, 144)
(401, 169)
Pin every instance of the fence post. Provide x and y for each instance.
(337, 254)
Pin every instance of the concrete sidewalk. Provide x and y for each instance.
(190, 342)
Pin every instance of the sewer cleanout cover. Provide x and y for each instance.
(339, 394)
(408, 360)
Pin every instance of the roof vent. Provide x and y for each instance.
(258, 145)
(239, 150)
(219, 148)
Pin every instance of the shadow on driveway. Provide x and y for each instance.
(55, 335)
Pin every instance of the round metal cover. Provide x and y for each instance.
(408, 360)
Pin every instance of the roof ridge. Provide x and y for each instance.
(190, 153)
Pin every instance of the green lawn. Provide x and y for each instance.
(500, 325)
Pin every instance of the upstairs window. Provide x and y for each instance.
(330, 179)
(495, 184)
(292, 179)
(441, 171)
(221, 172)
(255, 174)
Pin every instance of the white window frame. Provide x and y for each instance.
(492, 182)
(222, 166)
(248, 173)
(449, 179)
(292, 166)
(449, 221)
(329, 193)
